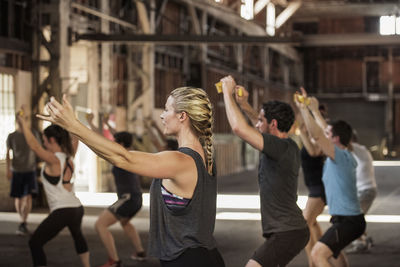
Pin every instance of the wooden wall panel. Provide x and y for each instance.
(342, 25)
(340, 76)
(385, 76)
(165, 82)
(171, 19)
(221, 124)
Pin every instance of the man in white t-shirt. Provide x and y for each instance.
(366, 190)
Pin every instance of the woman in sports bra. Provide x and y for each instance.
(183, 198)
(65, 208)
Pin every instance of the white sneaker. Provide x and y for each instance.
(139, 256)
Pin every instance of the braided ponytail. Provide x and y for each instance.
(197, 105)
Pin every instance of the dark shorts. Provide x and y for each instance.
(280, 248)
(317, 191)
(23, 184)
(196, 257)
(343, 231)
(127, 206)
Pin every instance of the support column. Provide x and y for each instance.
(106, 60)
(389, 103)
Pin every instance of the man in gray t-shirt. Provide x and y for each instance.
(283, 224)
(21, 172)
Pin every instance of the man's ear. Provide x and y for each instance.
(274, 124)
(336, 139)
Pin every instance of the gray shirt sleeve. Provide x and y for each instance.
(274, 147)
(8, 142)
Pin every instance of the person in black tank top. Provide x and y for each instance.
(312, 162)
(186, 173)
(123, 210)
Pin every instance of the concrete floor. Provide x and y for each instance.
(237, 238)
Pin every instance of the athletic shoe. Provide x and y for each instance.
(22, 229)
(112, 263)
(139, 256)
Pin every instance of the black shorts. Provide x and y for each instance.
(280, 248)
(317, 191)
(23, 183)
(127, 206)
(343, 231)
(196, 257)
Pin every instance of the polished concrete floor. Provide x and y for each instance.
(238, 230)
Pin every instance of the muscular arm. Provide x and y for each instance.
(170, 164)
(314, 108)
(34, 144)
(312, 149)
(237, 121)
(317, 132)
(245, 106)
(250, 112)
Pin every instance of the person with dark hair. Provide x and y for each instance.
(21, 172)
(283, 224)
(123, 210)
(183, 195)
(65, 208)
(339, 178)
(129, 203)
(312, 163)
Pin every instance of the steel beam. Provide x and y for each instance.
(14, 45)
(353, 39)
(345, 9)
(320, 40)
(104, 16)
(184, 39)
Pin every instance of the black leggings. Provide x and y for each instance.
(196, 257)
(51, 226)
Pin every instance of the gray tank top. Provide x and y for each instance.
(172, 232)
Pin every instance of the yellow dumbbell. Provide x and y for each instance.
(301, 99)
(218, 85)
(20, 113)
(240, 91)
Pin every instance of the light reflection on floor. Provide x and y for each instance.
(227, 202)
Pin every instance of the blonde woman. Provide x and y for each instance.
(183, 197)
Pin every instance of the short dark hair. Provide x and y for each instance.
(343, 130)
(280, 111)
(123, 138)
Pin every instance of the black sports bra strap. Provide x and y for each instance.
(67, 166)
